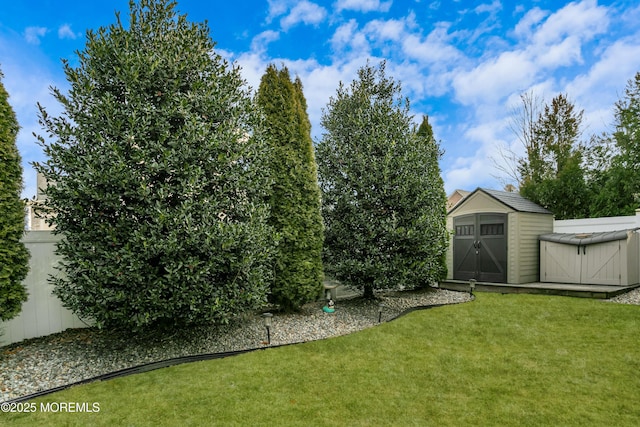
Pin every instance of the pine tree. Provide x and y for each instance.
(383, 200)
(551, 173)
(295, 197)
(14, 257)
(160, 176)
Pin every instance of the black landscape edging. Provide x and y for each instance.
(152, 366)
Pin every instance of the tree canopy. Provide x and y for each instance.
(383, 197)
(158, 178)
(551, 174)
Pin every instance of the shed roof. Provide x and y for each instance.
(513, 200)
(584, 239)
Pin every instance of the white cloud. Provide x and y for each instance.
(524, 28)
(65, 32)
(603, 84)
(344, 34)
(495, 78)
(468, 174)
(33, 34)
(436, 48)
(548, 44)
(618, 63)
(303, 12)
(392, 29)
(491, 8)
(363, 5)
(565, 53)
(262, 40)
(348, 41)
(277, 8)
(480, 168)
(584, 20)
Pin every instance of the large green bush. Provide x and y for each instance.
(14, 257)
(159, 177)
(383, 198)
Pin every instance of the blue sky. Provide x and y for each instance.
(463, 63)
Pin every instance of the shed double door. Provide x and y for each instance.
(597, 264)
(480, 247)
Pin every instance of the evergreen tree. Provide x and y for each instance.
(425, 130)
(295, 197)
(14, 257)
(159, 172)
(552, 173)
(383, 198)
(433, 174)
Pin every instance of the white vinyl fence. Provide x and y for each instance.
(594, 225)
(43, 313)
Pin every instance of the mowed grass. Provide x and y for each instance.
(502, 360)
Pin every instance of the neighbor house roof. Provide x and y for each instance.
(513, 200)
(455, 197)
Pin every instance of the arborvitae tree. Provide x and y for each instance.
(159, 178)
(434, 176)
(295, 197)
(425, 130)
(384, 208)
(14, 257)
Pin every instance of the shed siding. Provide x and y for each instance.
(633, 259)
(450, 248)
(512, 247)
(530, 226)
(480, 203)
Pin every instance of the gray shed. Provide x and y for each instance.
(495, 237)
(605, 258)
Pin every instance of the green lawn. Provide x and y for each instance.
(503, 360)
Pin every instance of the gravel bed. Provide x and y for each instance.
(631, 297)
(78, 354)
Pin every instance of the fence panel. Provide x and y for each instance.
(594, 225)
(43, 313)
